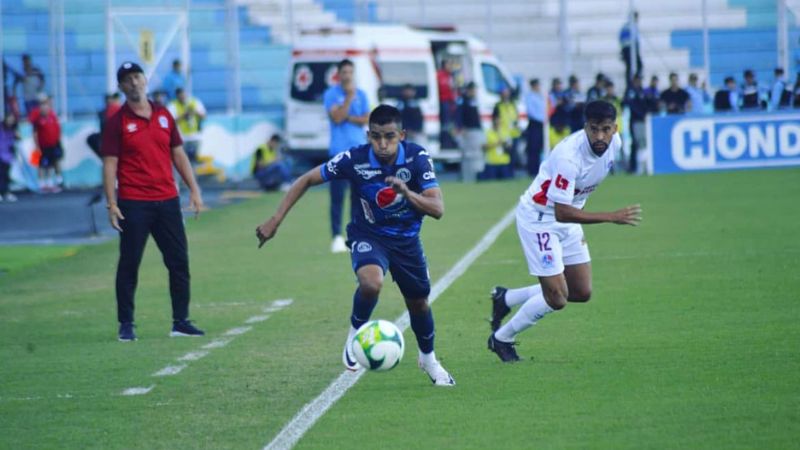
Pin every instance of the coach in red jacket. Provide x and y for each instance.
(140, 146)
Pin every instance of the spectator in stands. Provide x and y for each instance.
(796, 100)
(112, 105)
(497, 152)
(189, 114)
(506, 111)
(447, 101)
(47, 137)
(653, 95)
(10, 77)
(559, 115)
(174, 80)
(781, 93)
(32, 81)
(348, 112)
(697, 95)
(411, 114)
(270, 167)
(727, 98)
(637, 104)
(8, 137)
(470, 133)
(675, 100)
(575, 101)
(598, 90)
(751, 92)
(629, 38)
(160, 98)
(611, 97)
(536, 108)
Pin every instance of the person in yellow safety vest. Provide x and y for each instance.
(270, 168)
(506, 110)
(557, 133)
(189, 114)
(497, 152)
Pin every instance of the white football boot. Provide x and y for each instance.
(438, 375)
(348, 359)
(338, 245)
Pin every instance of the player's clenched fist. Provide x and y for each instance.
(266, 231)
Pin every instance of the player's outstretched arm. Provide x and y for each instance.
(630, 215)
(267, 230)
(429, 202)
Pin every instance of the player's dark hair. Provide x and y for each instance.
(729, 80)
(343, 63)
(386, 114)
(599, 111)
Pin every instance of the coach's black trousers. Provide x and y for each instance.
(162, 219)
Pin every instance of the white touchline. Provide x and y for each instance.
(256, 319)
(237, 331)
(312, 411)
(193, 356)
(138, 390)
(170, 370)
(217, 343)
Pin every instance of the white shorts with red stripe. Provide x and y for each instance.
(549, 245)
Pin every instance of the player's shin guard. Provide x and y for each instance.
(362, 309)
(422, 324)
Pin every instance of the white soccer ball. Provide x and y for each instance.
(378, 345)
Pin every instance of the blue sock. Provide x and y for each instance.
(362, 309)
(422, 324)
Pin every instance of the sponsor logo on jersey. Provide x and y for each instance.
(363, 247)
(131, 127)
(404, 174)
(428, 175)
(162, 120)
(561, 182)
(367, 173)
(332, 167)
(389, 200)
(547, 260)
(586, 190)
(367, 211)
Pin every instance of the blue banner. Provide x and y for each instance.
(689, 143)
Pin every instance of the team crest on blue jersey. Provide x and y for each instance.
(404, 174)
(388, 199)
(363, 247)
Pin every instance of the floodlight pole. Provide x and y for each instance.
(783, 36)
(563, 31)
(706, 46)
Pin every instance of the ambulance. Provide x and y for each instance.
(387, 57)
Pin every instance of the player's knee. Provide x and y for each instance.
(555, 298)
(370, 287)
(582, 294)
(418, 305)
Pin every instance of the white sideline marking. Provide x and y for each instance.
(282, 302)
(237, 331)
(138, 390)
(217, 343)
(312, 411)
(256, 319)
(170, 370)
(193, 356)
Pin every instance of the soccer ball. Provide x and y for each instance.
(378, 345)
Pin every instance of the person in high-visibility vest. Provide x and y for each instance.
(270, 167)
(189, 114)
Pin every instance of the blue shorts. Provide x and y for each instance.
(403, 257)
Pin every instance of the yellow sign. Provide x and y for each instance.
(147, 44)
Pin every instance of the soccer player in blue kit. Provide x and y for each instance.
(395, 186)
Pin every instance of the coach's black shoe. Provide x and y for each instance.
(185, 328)
(126, 333)
(505, 350)
(499, 307)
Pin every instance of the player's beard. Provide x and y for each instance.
(599, 147)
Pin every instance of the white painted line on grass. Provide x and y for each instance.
(138, 390)
(237, 331)
(193, 356)
(170, 370)
(312, 411)
(217, 343)
(256, 319)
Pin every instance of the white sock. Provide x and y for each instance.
(516, 297)
(533, 310)
(427, 358)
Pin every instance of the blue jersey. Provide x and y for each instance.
(376, 207)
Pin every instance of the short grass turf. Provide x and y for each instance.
(690, 339)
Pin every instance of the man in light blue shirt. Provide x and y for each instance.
(174, 80)
(348, 112)
(781, 94)
(536, 109)
(697, 95)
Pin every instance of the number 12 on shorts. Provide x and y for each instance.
(543, 239)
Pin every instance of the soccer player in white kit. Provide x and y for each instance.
(549, 218)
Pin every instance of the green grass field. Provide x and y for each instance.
(691, 339)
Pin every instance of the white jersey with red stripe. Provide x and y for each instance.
(569, 174)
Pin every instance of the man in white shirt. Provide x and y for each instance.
(549, 218)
